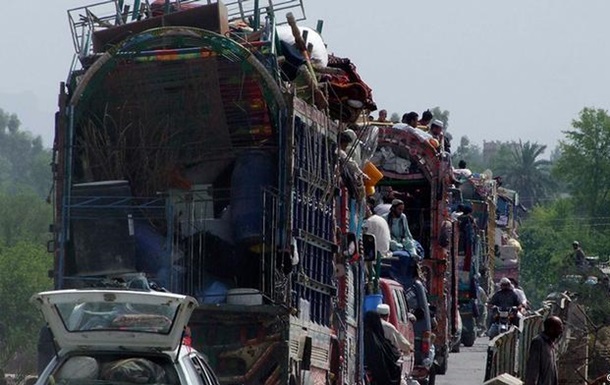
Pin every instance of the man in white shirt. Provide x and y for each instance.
(520, 293)
(390, 332)
(378, 226)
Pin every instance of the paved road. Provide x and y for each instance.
(466, 367)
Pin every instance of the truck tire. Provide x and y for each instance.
(468, 338)
(431, 380)
(442, 362)
(456, 347)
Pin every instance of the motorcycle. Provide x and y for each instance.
(502, 319)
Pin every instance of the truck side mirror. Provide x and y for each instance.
(349, 245)
(369, 246)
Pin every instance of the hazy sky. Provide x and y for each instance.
(505, 70)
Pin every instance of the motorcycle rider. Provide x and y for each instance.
(504, 298)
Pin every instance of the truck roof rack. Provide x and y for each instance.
(106, 14)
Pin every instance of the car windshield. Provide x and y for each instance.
(117, 316)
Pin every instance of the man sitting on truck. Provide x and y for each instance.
(401, 238)
(378, 227)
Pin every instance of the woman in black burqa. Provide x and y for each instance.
(380, 356)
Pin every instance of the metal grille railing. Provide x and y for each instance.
(93, 17)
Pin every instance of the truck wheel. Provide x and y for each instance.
(468, 338)
(431, 379)
(441, 367)
(456, 347)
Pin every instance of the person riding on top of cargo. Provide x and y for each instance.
(578, 255)
(383, 116)
(378, 227)
(401, 238)
(387, 196)
(410, 119)
(424, 122)
(436, 129)
(352, 175)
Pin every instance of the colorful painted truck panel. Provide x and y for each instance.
(185, 153)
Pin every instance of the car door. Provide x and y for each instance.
(203, 370)
(403, 323)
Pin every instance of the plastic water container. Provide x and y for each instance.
(371, 301)
(373, 173)
(244, 296)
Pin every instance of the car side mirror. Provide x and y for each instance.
(370, 247)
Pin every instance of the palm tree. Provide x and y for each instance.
(527, 174)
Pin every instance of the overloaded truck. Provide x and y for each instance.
(415, 169)
(475, 197)
(196, 145)
(507, 260)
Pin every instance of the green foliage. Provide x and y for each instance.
(524, 171)
(23, 272)
(584, 163)
(24, 217)
(470, 153)
(546, 236)
(24, 163)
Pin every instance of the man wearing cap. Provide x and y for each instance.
(578, 255)
(390, 332)
(436, 130)
(401, 238)
(504, 298)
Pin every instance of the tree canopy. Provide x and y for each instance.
(527, 173)
(24, 163)
(584, 163)
(25, 181)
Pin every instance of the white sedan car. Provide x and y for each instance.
(107, 337)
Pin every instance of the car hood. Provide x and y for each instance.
(115, 319)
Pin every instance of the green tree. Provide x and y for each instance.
(546, 236)
(470, 153)
(24, 217)
(24, 163)
(527, 173)
(584, 163)
(23, 272)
